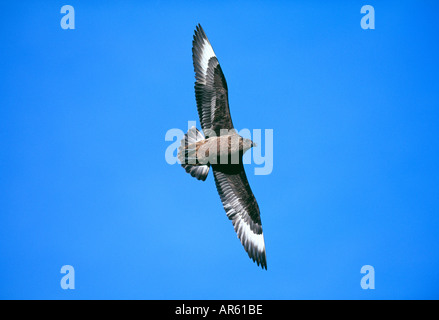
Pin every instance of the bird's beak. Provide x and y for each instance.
(254, 144)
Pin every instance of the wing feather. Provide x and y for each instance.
(210, 87)
(241, 207)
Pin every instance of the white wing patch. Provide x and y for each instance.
(247, 235)
(206, 55)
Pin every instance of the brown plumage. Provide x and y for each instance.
(222, 149)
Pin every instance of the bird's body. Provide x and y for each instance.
(225, 149)
(222, 149)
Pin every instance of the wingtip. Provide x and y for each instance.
(198, 35)
(262, 264)
(198, 28)
(263, 261)
(199, 31)
(260, 258)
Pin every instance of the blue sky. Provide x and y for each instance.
(84, 181)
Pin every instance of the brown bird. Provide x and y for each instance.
(222, 149)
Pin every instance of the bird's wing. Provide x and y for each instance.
(241, 207)
(210, 86)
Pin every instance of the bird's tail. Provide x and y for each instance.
(187, 154)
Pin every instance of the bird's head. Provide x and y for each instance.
(247, 144)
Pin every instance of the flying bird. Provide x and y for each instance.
(221, 148)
